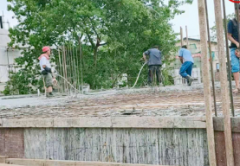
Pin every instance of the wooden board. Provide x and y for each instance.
(182, 147)
(28, 162)
(12, 143)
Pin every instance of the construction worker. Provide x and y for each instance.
(187, 61)
(234, 38)
(154, 63)
(44, 61)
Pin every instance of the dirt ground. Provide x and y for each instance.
(139, 103)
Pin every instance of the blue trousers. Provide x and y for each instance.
(186, 69)
(234, 61)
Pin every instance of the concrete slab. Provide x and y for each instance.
(144, 102)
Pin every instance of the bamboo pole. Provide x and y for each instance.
(187, 36)
(211, 60)
(228, 59)
(224, 84)
(60, 65)
(206, 82)
(77, 67)
(181, 36)
(65, 66)
(73, 65)
(81, 62)
(70, 63)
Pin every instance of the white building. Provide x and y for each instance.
(7, 56)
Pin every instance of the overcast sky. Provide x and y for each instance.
(189, 18)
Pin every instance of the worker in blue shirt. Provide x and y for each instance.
(232, 32)
(187, 61)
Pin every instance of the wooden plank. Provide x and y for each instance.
(28, 162)
(119, 145)
(194, 150)
(132, 146)
(219, 124)
(26, 123)
(14, 143)
(236, 145)
(3, 159)
(224, 84)
(107, 122)
(166, 146)
(145, 146)
(96, 145)
(181, 139)
(186, 36)
(158, 122)
(35, 144)
(126, 148)
(151, 146)
(206, 82)
(2, 142)
(82, 152)
(181, 36)
(55, 144)
(220, 149)
(9, 165)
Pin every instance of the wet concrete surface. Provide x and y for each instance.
(155, 101)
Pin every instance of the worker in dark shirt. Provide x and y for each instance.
(234, 38)
(154, 63)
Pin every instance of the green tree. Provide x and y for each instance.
(110, 34)
(214, 28)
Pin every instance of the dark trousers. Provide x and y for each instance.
(152, 71)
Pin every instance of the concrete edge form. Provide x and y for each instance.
(31, 162)
(10, 165)
(107, 122)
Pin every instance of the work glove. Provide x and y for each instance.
(47, 69)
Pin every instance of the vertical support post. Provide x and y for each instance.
(186, 36)
(211, 60)
(81, 62)
(60, 66)
(206, 82)
(224, 84)
(65, 67)
(228, 58)
(181, 36)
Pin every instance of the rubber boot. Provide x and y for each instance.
(49, 94)
(189, 80)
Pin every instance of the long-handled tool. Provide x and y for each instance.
(139, 74)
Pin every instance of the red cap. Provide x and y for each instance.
(45, 49)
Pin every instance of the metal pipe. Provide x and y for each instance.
(228, 58)
(211, 60)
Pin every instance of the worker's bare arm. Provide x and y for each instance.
(144, 57)
(181, 59)
(229, 35)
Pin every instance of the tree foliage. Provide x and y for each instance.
(214, 28)
(111, 34)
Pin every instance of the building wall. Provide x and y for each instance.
(7, 57)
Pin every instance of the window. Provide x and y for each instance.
(217, 67)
